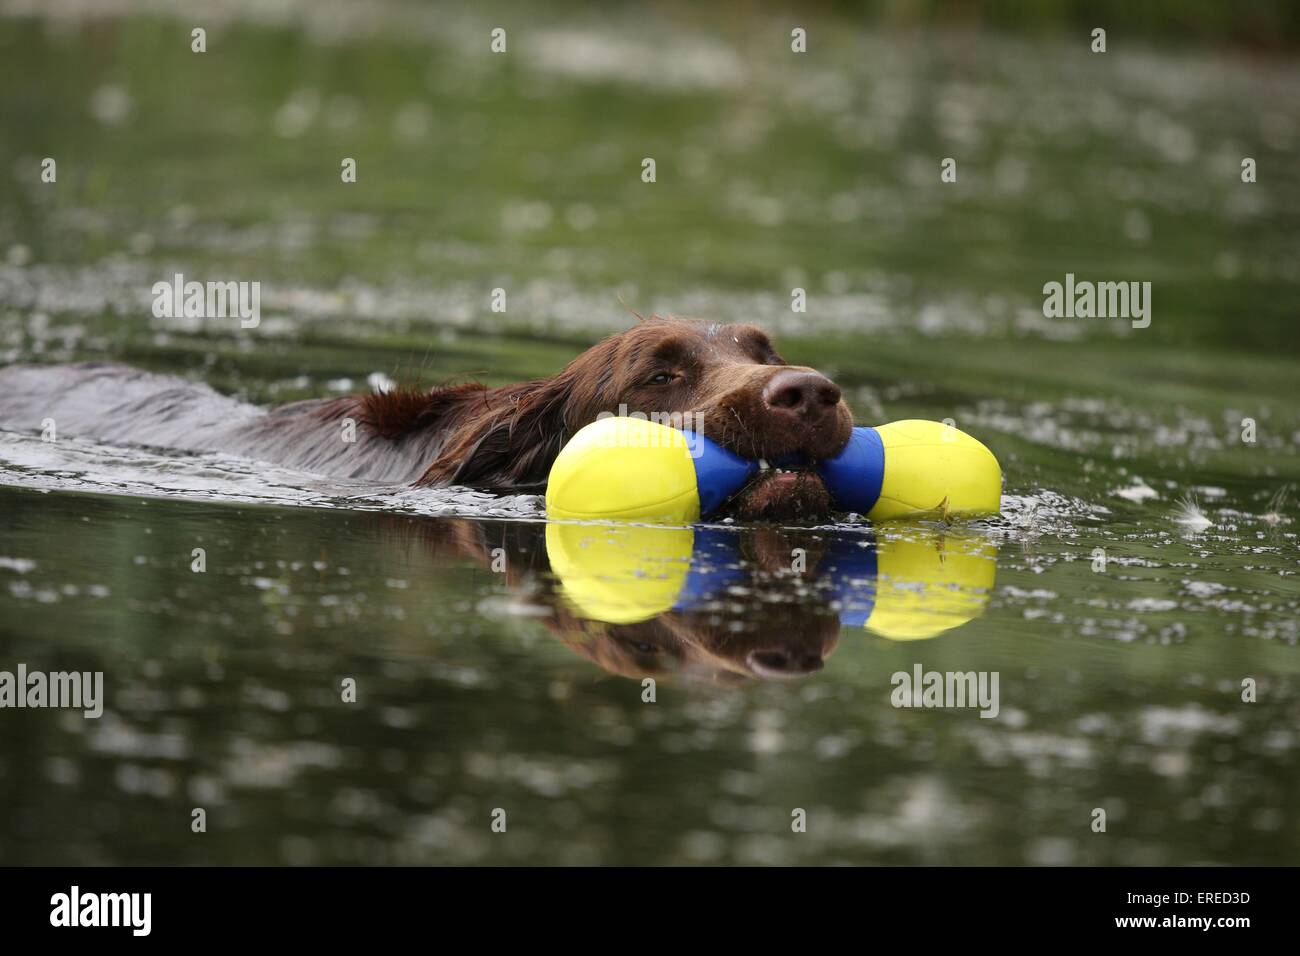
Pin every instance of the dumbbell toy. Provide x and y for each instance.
(635, 469)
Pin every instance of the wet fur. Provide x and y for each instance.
(502, 438)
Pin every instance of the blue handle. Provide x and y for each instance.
(855, 475)
(719, 473)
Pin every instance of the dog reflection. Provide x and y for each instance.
(724, 606)
(704, 645)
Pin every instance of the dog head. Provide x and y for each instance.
(725, 380)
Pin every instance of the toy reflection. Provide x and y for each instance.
(727, 605)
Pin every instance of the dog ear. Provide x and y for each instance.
(512, 445)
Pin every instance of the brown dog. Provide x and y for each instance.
(729, 377)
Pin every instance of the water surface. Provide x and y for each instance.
(490, 674)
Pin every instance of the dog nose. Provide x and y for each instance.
(775, 662)
(803, 392)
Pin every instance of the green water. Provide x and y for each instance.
(480, 686)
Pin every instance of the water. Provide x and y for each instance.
(484, 676)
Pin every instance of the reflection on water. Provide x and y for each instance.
(472, 643)
(764, 603)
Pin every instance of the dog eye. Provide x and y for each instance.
(662, 378)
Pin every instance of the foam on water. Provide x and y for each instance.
(73, 464)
